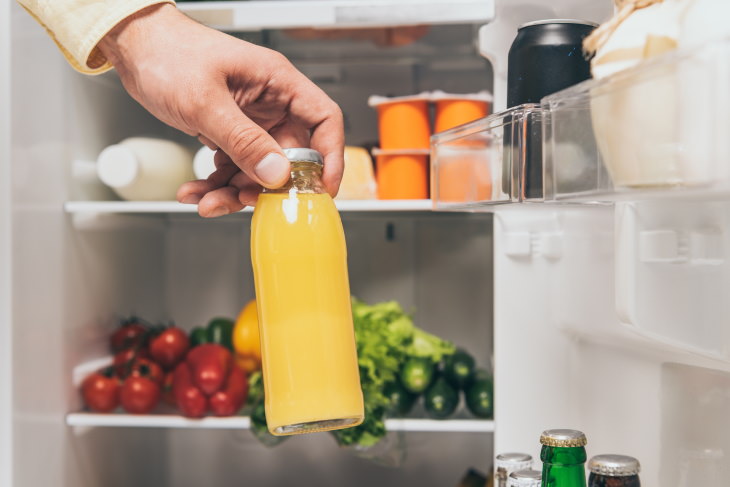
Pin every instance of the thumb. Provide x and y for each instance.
(250, 147)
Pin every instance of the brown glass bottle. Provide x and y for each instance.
(614, 471)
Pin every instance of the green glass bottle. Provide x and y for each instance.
(563, 458)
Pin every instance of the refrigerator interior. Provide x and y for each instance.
(74, 275)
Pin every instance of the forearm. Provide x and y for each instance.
(77, 26)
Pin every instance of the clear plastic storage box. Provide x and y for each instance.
(488, 161)
(657, 129)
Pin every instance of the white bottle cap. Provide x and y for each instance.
(117, 166)
(203, 163)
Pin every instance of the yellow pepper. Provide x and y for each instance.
(246, 341)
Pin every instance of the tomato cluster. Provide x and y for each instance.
(158, 362)
(141, 370)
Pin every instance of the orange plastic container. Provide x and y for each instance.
(402, 175)
(454, 110)
(403, 122)
(464, 175)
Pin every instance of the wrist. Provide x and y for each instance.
(120, 42)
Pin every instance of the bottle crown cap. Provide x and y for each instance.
(513, 461)
(563, 438)
(614, 465)
(525, 478)
(302, 154)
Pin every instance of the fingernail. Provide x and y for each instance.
(273, 169)
(191, 199)
(220, 211)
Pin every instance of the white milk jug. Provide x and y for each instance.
(145, 169)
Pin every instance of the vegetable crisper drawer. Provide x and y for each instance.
(653, 131)
(492, 160)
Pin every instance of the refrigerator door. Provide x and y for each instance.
(597, 329)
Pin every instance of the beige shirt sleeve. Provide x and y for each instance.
(77, 26)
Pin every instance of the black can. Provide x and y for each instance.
(545, 57)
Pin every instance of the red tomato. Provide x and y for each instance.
(169, 347)
(139, 395)
(190, 400)
(144, 367)
(227, 401)
(100, 392)
(131, 334)
(124, 360)
(210, 365)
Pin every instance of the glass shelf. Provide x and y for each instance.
(79, 207)
(84, 419)
(280, 14)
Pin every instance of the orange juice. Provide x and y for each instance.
(309, 356)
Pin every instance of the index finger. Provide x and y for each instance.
(313, 109)
(328, 138)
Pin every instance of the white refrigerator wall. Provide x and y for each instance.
(65, 285)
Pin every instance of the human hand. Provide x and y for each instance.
(245, 100)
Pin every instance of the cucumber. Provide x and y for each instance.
(416, 374)
(459, 368)
(479, 396)
(441, 399)
(401, 401)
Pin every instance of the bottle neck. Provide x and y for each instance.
(306, 177)
(563, 467)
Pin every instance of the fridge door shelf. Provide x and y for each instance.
(671, 271)
(318, 14)
(658, 130)
(86, 420)
(488, 162)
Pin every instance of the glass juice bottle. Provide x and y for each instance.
(309, 356)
